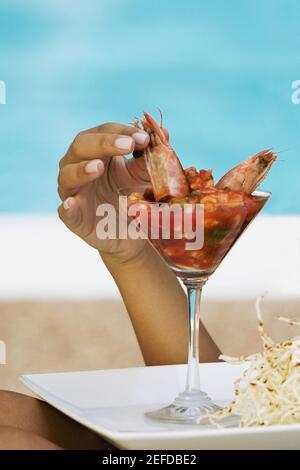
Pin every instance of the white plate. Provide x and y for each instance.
(112, 403)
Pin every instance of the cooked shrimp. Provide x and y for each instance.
(165, 170)
(249, 174)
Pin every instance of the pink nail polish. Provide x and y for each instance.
(124, 143)
(68, 203)
(140, 137)
(93, 166)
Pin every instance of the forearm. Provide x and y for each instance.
(157, 306)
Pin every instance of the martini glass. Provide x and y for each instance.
(223, 224)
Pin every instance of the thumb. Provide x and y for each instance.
(137, 169)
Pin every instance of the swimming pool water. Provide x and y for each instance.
(220, 71)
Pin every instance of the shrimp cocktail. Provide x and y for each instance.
(215, 213)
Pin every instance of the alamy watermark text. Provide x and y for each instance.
(295, 97)
(159, 221)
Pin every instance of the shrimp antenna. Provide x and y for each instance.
(161, 117)
(282, 151)
(285, 150)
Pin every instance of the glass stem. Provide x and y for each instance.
(194, 290)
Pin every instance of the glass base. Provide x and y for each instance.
(187, 408)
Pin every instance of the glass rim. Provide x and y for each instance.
(263, 193)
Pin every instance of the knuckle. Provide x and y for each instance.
(60, 193)
(59, 213)
(105, 141)
(80, 133)
(76, 146)
(106, 126)
(61, 162)
(60, 179)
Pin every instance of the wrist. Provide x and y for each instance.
(123, 261)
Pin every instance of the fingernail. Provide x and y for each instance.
(123, 143)
(68, 203)
(94, 166)
(140, 137)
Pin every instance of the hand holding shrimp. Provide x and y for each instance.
(229, 205)
(132, 263)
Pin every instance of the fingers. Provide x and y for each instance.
(93, 145)
(73, 176)
(140, 140)
(83, 162)
(134, 132)
(139, 136)
(89, 146)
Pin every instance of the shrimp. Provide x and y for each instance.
(249, 174)
(164, 168)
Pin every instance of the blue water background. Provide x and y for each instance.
(220, 71)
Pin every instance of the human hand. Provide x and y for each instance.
(91, 172)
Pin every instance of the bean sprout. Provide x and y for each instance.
(268, 393)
